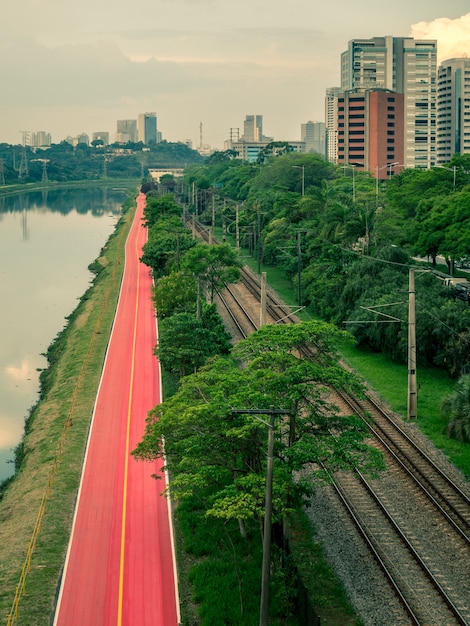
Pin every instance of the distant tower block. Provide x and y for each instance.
(2, 172)
(234, 135)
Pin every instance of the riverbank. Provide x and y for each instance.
(7, 190)
(52, 449)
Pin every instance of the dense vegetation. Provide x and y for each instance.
(216, 458)
(347, 243)
(64, 162)
(351, 240)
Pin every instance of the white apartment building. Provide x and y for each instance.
(407, 66)
(453, 109)
(331, 122)
(253, 128)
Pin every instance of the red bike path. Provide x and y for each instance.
(119, 569)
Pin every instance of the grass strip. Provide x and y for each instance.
(68, 392)
(390, 381)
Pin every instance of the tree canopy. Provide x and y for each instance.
(218, 455)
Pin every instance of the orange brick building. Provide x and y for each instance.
(371, 131)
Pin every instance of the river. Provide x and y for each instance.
(47, 241)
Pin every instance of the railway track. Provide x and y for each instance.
(422, 592)
(415, 521)
(242, 320)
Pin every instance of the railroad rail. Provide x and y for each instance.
(416, 566)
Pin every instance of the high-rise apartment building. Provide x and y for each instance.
(453, 109)
(126, 131)
(40, 139)
(147, 128)
(313, 134)
(253, 128)
(407, 66)
(370, 131)
(331, 121)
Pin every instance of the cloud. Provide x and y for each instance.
(98, 82)
(264, 46)
(453, 35)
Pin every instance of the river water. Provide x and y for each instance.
(47, 241)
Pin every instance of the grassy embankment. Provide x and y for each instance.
(53, 445)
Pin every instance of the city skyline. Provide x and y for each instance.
(74, 69)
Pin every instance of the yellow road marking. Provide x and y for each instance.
(126, 460)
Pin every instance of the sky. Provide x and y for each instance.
(68, 67)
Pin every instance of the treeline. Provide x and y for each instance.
(347, 241)
(64, 162)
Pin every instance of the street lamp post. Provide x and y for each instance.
(390, 165)
(301, 167)
(377, 170)
(450, 169)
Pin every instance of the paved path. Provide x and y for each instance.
(119, 568)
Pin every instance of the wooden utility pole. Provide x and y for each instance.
(412, 389)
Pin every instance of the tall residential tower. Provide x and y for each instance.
(253, 128)
(147, 128)
(331, 121)
(407, 66)
(313, 134)
(453, 109)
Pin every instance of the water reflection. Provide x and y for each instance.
(47, 241)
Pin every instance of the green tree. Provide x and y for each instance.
(216, 454)
(175, 293)
(212, 265)
(157, 207)
(185, 343)
(455, 409)
(167, 242)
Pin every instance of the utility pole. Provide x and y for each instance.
(237, 228)
(213, 212)
(262, 319)
(268, 511)
(268, 507)
(299, 269)
(412, 389)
